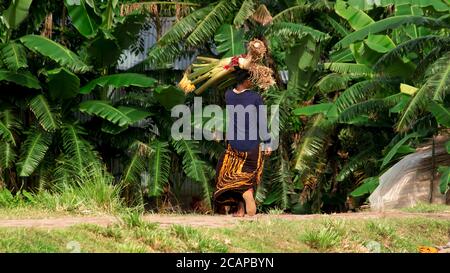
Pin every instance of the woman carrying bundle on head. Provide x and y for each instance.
(240, 167)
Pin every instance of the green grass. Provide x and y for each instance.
(326, 235)
(428, 208)
(92, 193)
(314, 235)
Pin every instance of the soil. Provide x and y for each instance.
(165, 220)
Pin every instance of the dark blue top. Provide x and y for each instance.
(243, 123)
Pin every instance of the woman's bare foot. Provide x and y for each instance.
(241, 211)
(250, 205)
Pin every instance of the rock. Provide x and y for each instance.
(409, 181)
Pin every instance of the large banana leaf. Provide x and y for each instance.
(62, 84)
(369, 51)
(23, 78)
(230, 41)
(8, 124)
(393, 151)
(104, 110)
(301, 61)
(103, 51)
(333, 82)
(7, 155)
(435, 87)
(119, 80)
(313, 109)
(134, 169)
(83, 17)
(355, 163)
(368, 186)
(183, 27)
(441, 113)
(417, 46)
(49, 120)
(355, 17)
(206, 28)
(288, 30)
(194, 167)
(55, 51)
(108, 15)
(159, 167)
(13, 55)
(33, 151)
(411, 30)
(74, 146)
(134, 114)
(247, 9)
(358, 92)
(6, 134)
(389, 23)
(127, 30)
(444, 181)
(169, 96)
(339, 28)
(16, 13)
(440, 77)
(313, 143)
(438, 5)
(167, 48)
(349, 68)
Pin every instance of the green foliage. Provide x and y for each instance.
(119, 80)
(169, 96)
(247, 9)
(136, 166)
(444, 181)
(230, 41)
(340, 113)
(194, 167)
(75, 147)
(435, 87)
(105, 110)
(313, 143)
(33, 151)
(16, 13)
(7, 155)
(322, 239)
(25, 79)
(389, 23)
(211, 22)
(14, 56)
(393, 151)
(44, 114)
(55, 51)
(159, 167)
(368, 186)
(313, 109)
(288, 30)
(441, 113)
(62, 84)
(83, 17)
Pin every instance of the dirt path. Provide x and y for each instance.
(202, 220)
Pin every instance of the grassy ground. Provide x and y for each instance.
(429, 208)
(271, 234)
(277, 235)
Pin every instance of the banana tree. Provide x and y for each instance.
(371, 85)
(41, 136)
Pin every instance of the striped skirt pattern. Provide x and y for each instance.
(236, 173)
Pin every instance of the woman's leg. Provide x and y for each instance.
(250, 205)
(240, 210)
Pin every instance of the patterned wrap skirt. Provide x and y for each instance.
(236, 173)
